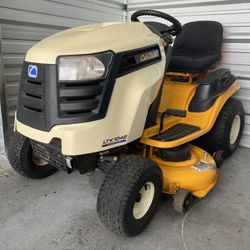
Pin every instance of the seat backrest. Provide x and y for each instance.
(199, 39)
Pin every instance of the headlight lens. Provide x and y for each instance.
(82, 68)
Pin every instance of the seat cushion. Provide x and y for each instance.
(197, 47)
(185, 63)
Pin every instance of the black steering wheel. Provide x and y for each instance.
(174, 29)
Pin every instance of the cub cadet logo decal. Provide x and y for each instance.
(115, 140)
(149, 55)
(32, 71)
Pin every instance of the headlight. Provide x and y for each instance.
(84, 67)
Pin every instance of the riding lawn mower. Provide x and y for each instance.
(142, 101)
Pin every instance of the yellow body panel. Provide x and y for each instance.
(178, 96)
(198, 175)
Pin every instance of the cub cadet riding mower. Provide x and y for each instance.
(119, 94)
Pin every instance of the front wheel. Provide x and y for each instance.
(129, 195)
(23, 161)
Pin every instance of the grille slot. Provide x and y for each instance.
(81, 106)
(78, 98)
(33, 109)
(32, 103)
(80, 112)
(34, 82)
(81, 92)
(33, 95)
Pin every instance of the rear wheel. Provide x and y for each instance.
(23, 161)
(227, 130)
(129, 195)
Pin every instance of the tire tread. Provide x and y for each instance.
(217, 138)
(17, 156)
(116, 189)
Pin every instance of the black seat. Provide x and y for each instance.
(198, 47)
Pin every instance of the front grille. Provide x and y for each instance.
(45, 102)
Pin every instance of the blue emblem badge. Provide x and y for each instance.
(32, 71)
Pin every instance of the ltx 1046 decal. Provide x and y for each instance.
(115, 140)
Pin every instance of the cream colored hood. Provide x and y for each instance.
(122, 36)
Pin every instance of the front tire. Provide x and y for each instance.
(129, 195)
(22, 160)
(227, 130)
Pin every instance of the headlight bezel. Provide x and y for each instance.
(106, 57)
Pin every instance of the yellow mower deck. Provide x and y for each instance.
(199, 174)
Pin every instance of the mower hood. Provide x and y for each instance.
(92, 38)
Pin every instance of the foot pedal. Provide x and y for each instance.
(171, 112)
(176, 112)
(176, 132)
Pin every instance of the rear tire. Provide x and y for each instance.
(22, 160)
(227, 130)
(129, 195)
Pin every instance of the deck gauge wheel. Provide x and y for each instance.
(182, 200)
